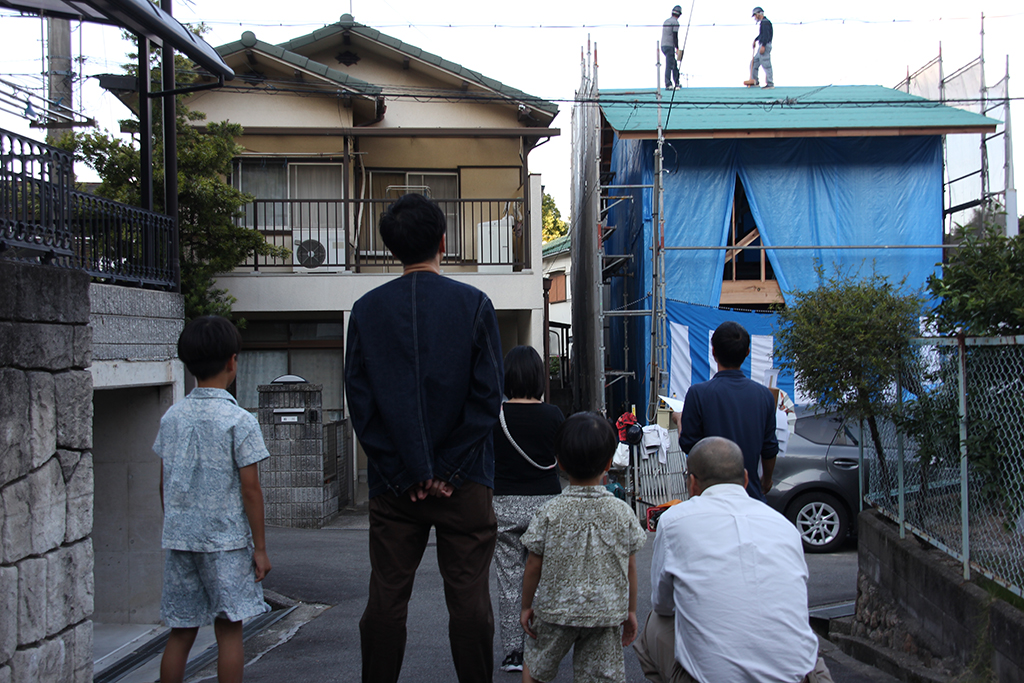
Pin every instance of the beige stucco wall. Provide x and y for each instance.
(260, 107)
(429, 112)
(438, 153)
(491, 183)
(422, 153)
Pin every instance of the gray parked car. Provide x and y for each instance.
(816, 482)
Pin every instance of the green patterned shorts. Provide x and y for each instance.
(597, 652)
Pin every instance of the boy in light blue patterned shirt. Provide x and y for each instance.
(213, 534)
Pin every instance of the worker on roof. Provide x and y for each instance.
(762, 51)
(670, 47)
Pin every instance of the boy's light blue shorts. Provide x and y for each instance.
(201, 587)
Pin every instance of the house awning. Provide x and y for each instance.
(138, 16)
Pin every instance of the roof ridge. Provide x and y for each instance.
(248, 40)
(348, 23)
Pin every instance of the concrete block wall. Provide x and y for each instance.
(292, 478)
(46, 475)
(913, 597)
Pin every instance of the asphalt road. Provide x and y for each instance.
(330, 567)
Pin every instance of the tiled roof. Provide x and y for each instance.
(347, 23)
(557, 245)
(250, 41)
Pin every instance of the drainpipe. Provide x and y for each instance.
(547, 339)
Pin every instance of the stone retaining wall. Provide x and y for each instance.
(130, 324)
(913, 598)
(46, 475)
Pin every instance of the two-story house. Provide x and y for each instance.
(731, 197)
(337, 124)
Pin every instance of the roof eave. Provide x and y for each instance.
(408, 132)
(804, 132)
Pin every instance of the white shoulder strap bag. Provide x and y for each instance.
(504, 428)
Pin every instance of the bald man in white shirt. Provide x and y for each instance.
(728, 585)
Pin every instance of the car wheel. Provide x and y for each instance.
(822, 521)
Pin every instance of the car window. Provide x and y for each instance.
(825, 429)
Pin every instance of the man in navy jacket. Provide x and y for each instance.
(423, 376)
(736, 408)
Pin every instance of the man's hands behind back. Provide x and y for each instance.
(431, 487)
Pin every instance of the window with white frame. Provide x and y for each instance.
(301, 202)
(275, 181)
(441, 187)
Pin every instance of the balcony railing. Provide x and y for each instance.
(490, 235)
(43, 219)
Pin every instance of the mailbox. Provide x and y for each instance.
(293, 416)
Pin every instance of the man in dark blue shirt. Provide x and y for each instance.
(763, 51)
(423, 376)
(736, 408)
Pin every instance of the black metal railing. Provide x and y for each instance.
(44, 219)
(489, 234)
(122, 244)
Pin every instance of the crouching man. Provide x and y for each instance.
(728, 585)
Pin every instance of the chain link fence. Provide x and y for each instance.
(947, 461)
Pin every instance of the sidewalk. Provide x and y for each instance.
(324, 574)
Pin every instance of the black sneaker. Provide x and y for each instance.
(514, 662)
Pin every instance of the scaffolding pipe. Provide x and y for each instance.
(820, 247)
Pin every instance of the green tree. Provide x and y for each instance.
(551, 217)
(211, 238)
(980, 292)
(847, 342)
(981, 289)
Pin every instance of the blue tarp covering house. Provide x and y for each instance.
(827, 168)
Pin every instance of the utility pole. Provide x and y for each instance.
(58, 71)
(1011, 190)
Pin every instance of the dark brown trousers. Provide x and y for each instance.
(466, 529)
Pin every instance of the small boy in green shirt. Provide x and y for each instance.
(579, 588)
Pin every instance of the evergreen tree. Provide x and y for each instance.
(847, 342)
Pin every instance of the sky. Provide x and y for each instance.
(536, 46)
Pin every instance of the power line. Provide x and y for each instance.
(267, 85)
(824, 20)
(624, 25)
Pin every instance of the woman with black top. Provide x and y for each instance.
(525, 477)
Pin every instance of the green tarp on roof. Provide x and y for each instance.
(834, 107)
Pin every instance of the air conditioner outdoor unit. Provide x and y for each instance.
(318, 251)
(494, 244)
